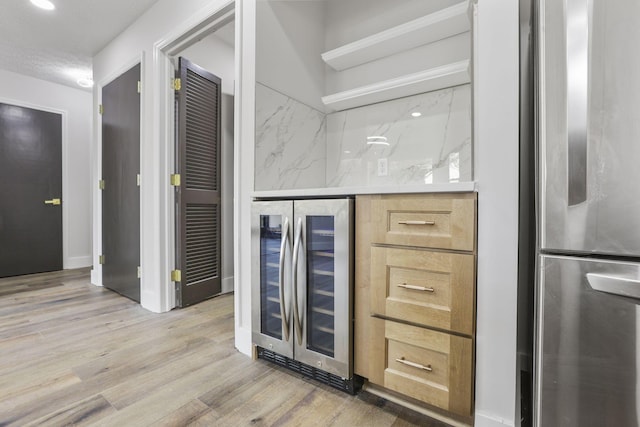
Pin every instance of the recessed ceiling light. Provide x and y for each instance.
(85, 82)
(416, 114)
(44, 4)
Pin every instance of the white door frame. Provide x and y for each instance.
(192, 30)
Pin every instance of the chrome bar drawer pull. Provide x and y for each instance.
(417, 222)
(427, 368)
(416, 288)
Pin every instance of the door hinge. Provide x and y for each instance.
(176, 276)
(175, 179)
(177, 84)
(139, 272)
(101, 109)
(138, 180)
(101, 184)
(101, 259)
(139, 86)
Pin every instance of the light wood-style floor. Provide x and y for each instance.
(75, 354)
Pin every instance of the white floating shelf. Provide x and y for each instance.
(437, 78)
(427, 29)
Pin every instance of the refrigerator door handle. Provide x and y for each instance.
(283, 309)
(622, 286)
(577, 27)
(294, 268)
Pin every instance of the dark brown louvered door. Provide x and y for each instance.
(198, 195)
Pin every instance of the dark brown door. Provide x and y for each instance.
(198, 196)
(30, 191)
(121, 193)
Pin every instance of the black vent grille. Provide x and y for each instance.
(201, 243)
(202, 134)
(350, 385)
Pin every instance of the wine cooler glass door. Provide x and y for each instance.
(320, 260)
(271, 301)
(322, 284)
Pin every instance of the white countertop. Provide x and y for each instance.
(349, 191)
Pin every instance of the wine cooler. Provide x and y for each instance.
(302, 279)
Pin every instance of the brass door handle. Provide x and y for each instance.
(54, 202)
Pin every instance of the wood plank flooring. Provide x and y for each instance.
(75, 354)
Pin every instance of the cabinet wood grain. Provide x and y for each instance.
(430, 366)
(442, 221)
(361, 297)
(429, 288)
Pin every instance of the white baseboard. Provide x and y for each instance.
(243, 340)
(78, 262)
(227, 285)
(482, 419)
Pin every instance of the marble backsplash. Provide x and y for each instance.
(290, 143)
(419, 139)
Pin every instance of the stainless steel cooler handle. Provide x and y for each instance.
(577, 27)
(622, 286)
(283, 309)
(296, 250)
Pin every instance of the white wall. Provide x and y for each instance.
(134, 44)
(288, 47)
(75, 104)
(217, 57)
(245, 137)
(496, 80)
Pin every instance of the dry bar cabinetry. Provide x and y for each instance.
(415, 296)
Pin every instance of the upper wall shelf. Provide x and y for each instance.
(427, 29)
(437, 78)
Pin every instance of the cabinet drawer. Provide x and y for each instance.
(443, 221)
(429, 288)
(433, 367)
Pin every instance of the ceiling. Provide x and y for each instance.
(58, 45)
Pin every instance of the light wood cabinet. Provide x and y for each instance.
(415, 296)
(430, 366)
(430, 221)
(432, 289)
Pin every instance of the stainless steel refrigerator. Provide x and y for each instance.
(302, 287)
(587, 361)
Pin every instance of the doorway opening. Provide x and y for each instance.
(211, 45)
